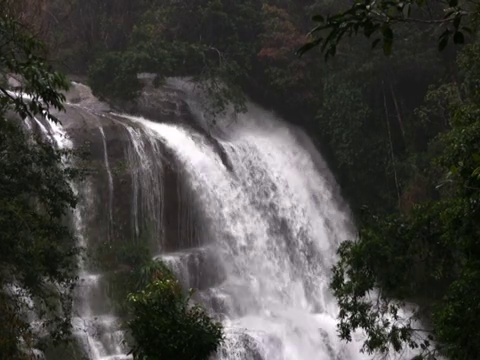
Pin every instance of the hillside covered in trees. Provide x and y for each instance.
(251, 47)
(394, 108)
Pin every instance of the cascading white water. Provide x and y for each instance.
(109, 173)
(97, 330)
(147, 189)
(271, 223)
(274, 225)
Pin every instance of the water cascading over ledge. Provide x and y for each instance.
(245, 211)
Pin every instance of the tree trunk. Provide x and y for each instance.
(399, 115)
(387, 120)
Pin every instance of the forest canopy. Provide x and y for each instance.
(428, 253)
(401, 132)
(37, 249)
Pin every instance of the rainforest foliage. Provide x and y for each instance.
(162, 317)
(37, 249)
(429, 252)
(400, 131)
(164, 322)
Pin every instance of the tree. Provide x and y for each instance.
(377, 20)
(217, 50)
(166, 326)
(37, 248)
(429, 255)
(22, 55)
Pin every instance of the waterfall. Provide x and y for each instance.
(244, 210)
(145, 163)
(109, 173)
(274, 225)
(97, 330)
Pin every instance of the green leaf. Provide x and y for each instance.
(442, 43)
(458, 38)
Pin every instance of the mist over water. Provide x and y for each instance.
(271, 221)
(275, 220)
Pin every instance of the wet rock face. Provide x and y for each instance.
(81, 95)
(136, 188)
(135, 201)
(162, 104)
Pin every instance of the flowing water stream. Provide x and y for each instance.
(271, 221)
(274, 227)
(274, 223)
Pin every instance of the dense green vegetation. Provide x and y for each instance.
(378, 19)
(250, 47)
(401, 131)
(162, 319)
(165, 324)
(428, 253)
(37, 249)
